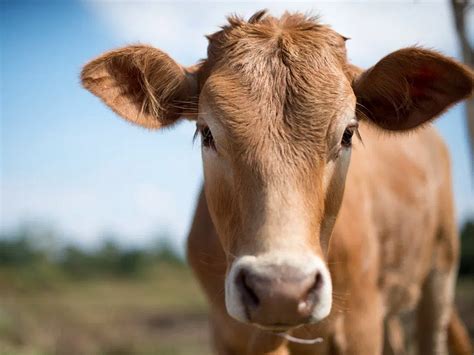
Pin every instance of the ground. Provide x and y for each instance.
(163, 313)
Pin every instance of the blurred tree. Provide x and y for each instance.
(108, 255)
(131, 262)
(18, 250)
(460, 11)
(29, 243)
(164, 252)
(467, 249)
(76, 262)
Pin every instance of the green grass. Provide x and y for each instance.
(465, 302)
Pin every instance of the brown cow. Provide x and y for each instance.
(280, 112)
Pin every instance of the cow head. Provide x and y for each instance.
(277, 106)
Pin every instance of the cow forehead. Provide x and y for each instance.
(277, 84)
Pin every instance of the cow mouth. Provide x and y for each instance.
(277, 328)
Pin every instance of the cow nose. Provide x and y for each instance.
(283, 298)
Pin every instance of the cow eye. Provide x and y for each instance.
(346, 140)
(206, 137)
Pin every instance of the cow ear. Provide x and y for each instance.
(410, 87)
(142, 84)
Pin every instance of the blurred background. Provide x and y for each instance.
(94, 212)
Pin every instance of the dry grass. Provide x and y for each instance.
(160, 314)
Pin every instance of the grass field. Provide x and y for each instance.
(162, 313)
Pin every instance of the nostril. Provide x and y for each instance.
(318, 283)
(307, 304)
(249, 296)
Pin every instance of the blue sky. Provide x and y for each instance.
(69, 162)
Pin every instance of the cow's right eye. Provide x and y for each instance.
(206, 137)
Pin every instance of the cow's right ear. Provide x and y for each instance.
(143, 85)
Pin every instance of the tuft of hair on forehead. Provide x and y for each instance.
(263, 30)
(256, 17)
(296, 20)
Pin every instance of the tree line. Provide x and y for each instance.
(26, 249)
(42, 253)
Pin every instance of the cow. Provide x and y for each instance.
(327, 208)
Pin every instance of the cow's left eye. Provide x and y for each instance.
(346, 140)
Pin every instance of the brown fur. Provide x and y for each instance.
(276, 94)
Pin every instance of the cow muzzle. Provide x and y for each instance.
(277, 293)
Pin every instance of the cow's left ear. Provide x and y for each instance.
(410, 87)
